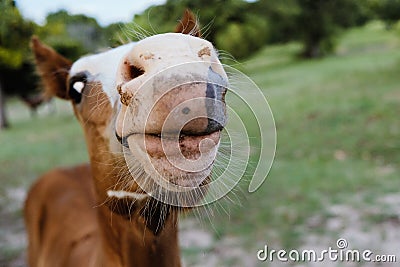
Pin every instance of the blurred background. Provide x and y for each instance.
(330, 71)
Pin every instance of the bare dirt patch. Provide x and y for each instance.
(364, 226)
(12, 231)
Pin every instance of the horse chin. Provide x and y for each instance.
(177, 165)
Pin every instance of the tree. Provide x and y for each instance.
(15, 74)
(280, 16)
(388, 11)
(72, 35)
(319, 21)
(227, 23)
(242, 39)
(3, 118)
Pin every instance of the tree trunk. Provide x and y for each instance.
(3, 118)
(312, 50)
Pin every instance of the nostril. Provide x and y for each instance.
(185, 110)
(213, 126)
(131, 71)
(135, 72)
(202, 126)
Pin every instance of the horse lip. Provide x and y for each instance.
(190, 140)
(184, 161)
(188, 144)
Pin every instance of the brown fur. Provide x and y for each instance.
(51, 228)
(67, 227)
(69, 218)
(189, 24)
(53, 69)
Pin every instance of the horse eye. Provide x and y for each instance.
(77, 84)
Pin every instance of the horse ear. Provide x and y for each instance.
(52, 68)
(188, 24)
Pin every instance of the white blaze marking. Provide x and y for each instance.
(122, 194)
(103, 68)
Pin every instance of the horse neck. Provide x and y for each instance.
(126, 238)
(128, 242)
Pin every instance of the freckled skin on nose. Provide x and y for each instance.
(192, 116)
(125, 96)
(206, 51)
(156, 93)
(185, 110)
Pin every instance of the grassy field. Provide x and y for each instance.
(335, 175)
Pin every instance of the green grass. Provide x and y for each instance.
(30, 147)
(347, 104)
(337, 124)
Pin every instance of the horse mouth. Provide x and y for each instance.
(190, 146)
(177, 159)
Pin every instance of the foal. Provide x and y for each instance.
(151, 112)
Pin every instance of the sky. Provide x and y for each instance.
(104, 11)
